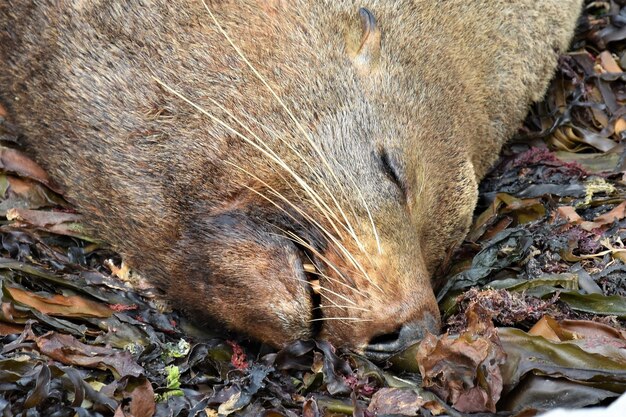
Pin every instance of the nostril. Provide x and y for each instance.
(385, 339)
(385, 345)
(382, 346)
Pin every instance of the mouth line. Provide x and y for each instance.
(310, 271)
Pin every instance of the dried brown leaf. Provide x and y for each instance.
(396, 401)
(15, 161)
(57, 222)
(25, 193)
(138, 401)
(608, 62)
(569, 213)
(620, 126)
(591, 336)
(59, 305)
(69, 351)
(9, 328)
(465, 370)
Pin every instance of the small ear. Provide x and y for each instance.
(365, 57)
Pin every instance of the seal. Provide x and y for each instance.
(291, 169)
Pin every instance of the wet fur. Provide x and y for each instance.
(91, 85)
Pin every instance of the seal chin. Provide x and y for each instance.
(251, 280)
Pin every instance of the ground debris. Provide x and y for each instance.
(534, 300)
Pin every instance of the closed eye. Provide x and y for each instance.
(391, 170)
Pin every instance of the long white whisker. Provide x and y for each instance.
(369, 214)
(319, 274)
(346, 299)
(340, 319)
(343, 307)
(302, 242)
(291, 115)
(335, 241)
(280, 163)
(277, 160)
(347, 225)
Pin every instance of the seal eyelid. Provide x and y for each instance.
(390, 169)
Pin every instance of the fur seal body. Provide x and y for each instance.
(293, 169)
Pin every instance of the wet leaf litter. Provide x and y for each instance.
(534, 300)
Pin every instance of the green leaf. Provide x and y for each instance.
(606, 305)
(537, 355)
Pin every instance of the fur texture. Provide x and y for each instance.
(186, 161)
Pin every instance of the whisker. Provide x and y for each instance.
(369, 215)
(291, 115)
(319, 274)
(289, 202)
(335, 241)
(300, 241)
(297, 239)
(357, 319)
(316, 199)
(346, 253)
(277, 160)
(321, 180)
(293, 149)
(359, 266)
(344, 307)
(334, 304)
(346, 299)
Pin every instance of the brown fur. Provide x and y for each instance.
(121, 102)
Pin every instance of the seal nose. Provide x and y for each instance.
(385, 345)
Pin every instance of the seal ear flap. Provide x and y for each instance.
(366, 53)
